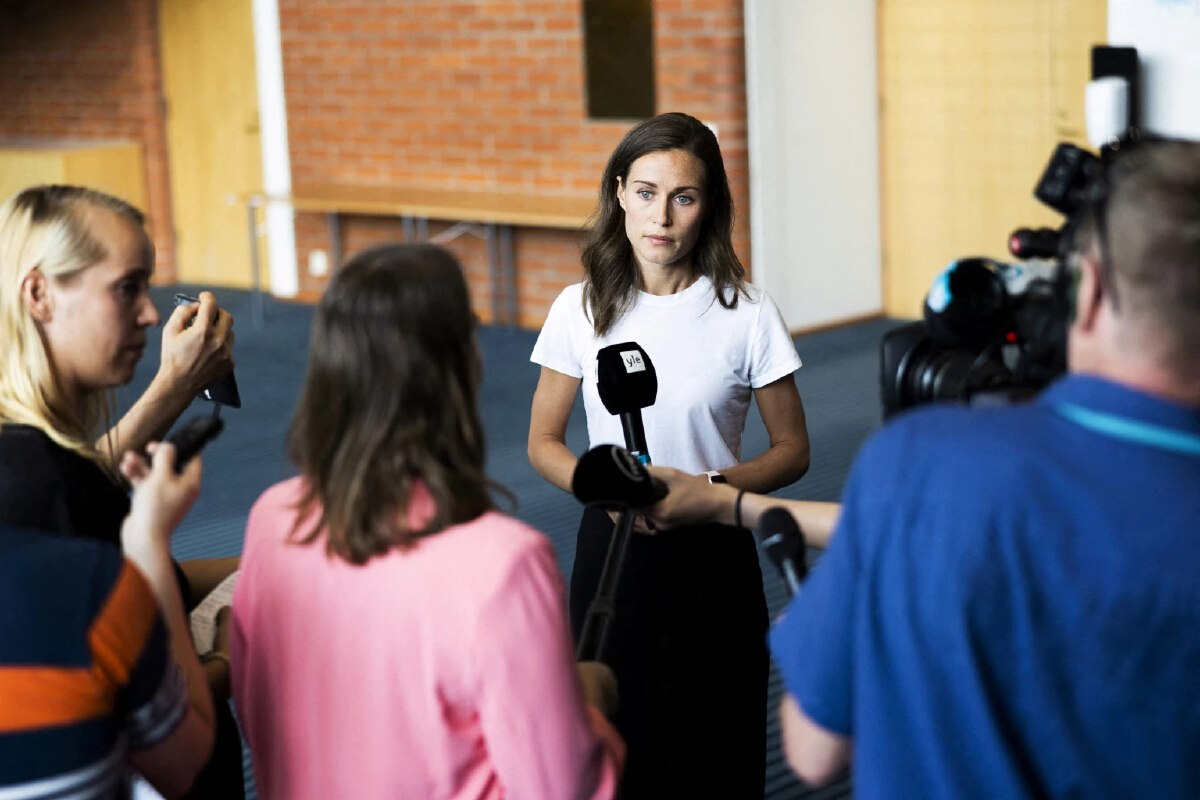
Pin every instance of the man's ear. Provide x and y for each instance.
(621, 192)
(35, 294)
(1088, 293)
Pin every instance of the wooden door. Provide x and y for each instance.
(213, 135)
(974, 96)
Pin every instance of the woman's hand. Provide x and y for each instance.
(197, 346)
(690, 500)
(161, 498)
(640, 523)
(599, 686)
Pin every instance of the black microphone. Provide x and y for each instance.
(610, 474)
(628, 383)
(783, 540)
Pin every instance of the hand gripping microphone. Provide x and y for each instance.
(628, 383)
(783, 540)
(609, 475)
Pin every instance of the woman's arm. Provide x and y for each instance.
(160, 500)
(692, 500)
(540, 734)
(197, 348)
(786, 461)
(548, 451)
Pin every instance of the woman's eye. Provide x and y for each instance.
(684, 200)
(644, 194)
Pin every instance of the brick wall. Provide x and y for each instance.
(484, 94)
(90, 70)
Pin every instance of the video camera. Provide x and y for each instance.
(993, 331)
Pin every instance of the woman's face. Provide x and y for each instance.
(95, 320)
(663, 199)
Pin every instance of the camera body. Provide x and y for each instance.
(996, 332)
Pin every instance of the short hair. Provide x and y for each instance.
(1152, 227)
(45, 228)
(390, 402)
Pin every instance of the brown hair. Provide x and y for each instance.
(1152, 242)
(389, 401)
(45, 228)
(612, 272)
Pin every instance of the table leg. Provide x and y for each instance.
(422, 229)
(257, 314)
(493, 248)
(508, 270)
(409, 233)
(335, 240)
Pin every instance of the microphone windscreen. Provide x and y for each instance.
(781, 537)
(626, 378)
(967, 306)
(609, 474)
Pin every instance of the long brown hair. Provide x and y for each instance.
(390, 401)
(613, 278)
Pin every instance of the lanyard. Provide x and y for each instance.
(1131, 430)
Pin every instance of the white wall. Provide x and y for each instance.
(814, 157)
(1167, 36)
(277, 165)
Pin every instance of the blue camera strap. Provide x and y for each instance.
(1131, 430)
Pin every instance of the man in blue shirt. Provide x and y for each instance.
(1010, 603)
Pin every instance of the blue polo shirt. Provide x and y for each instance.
(1010, 606)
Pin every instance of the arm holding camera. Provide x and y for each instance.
(692, 499)
(197, 350)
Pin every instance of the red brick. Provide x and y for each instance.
(90, 71)
(485, 94)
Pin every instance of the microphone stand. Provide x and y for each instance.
(593, 639)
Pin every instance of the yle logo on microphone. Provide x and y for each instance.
(633, 361)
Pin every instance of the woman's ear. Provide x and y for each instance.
(35, 294)
(621, 192)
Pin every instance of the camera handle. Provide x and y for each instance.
(593, 640)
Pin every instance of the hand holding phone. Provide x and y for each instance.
(224, 391)
(191, 438)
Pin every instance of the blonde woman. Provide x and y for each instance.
(75, 267)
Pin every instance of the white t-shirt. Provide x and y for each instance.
(708, 359)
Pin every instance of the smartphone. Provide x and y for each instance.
(225, 391)
(191, 438)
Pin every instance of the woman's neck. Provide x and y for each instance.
(661, 280)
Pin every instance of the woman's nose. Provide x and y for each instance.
(148, 316)
(663, 212)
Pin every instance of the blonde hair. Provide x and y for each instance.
(44, 228)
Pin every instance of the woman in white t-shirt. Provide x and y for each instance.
(687, 642)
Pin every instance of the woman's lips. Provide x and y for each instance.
(658, 240)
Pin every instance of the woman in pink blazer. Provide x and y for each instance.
(393, 634)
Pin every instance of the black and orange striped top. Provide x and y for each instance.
(85, 670)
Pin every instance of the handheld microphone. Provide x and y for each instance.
(611, 475)
(783, 540)
(627, 383)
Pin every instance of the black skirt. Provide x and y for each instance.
(688, 647)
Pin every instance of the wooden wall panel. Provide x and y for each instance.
(974, 96)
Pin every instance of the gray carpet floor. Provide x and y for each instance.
(838, 384)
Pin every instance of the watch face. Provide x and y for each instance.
(716, 477)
